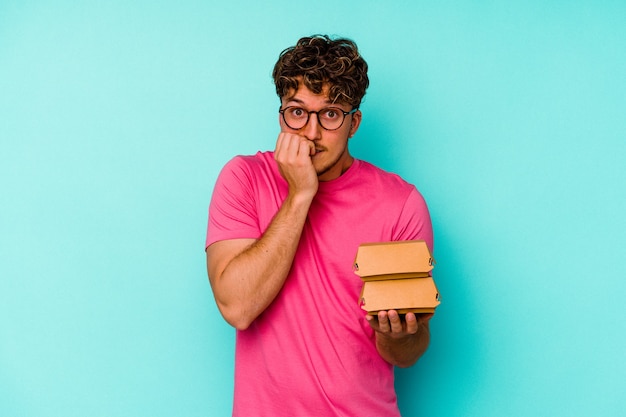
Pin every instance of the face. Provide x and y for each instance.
(331, 157)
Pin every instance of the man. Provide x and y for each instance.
(284, 228)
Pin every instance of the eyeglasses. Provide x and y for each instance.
(330, 118)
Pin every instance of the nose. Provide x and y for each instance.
(312, 130)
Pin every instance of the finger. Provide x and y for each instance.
(395, 321)
(306, 147)
(383, 322)
(311, 147)
(287, 147)
(289, 143)
(291, 147)
(372, 321)
(411, 323)
(282, 146)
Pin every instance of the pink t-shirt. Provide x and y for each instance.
(311, 352)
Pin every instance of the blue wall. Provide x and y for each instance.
(116, 118)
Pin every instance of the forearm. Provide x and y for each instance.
(405, 351)
(246, 285)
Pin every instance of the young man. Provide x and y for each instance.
(283, 231)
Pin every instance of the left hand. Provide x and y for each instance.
(390, 324)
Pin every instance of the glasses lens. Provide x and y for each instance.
(331, 118)
(295, 117)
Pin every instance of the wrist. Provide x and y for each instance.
(301, 197)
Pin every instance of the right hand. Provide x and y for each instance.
(293, 154)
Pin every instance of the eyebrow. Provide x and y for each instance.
(299, 101)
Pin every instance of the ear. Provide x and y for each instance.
(356, 121)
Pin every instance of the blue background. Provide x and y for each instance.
(116, 117)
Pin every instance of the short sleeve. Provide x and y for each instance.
(414, 222)
(232, 211)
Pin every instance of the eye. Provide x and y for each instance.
(331, 114)
(296, 112)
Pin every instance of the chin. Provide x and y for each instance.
(324, 166)
(323, 170)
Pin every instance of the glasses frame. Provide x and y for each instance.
(317, 113)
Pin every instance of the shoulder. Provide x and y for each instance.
(377, 176)
(261, 163)
(259, 160)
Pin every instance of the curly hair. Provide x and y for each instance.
(319, 60)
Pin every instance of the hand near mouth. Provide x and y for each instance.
(317, 150)
(293, 154)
